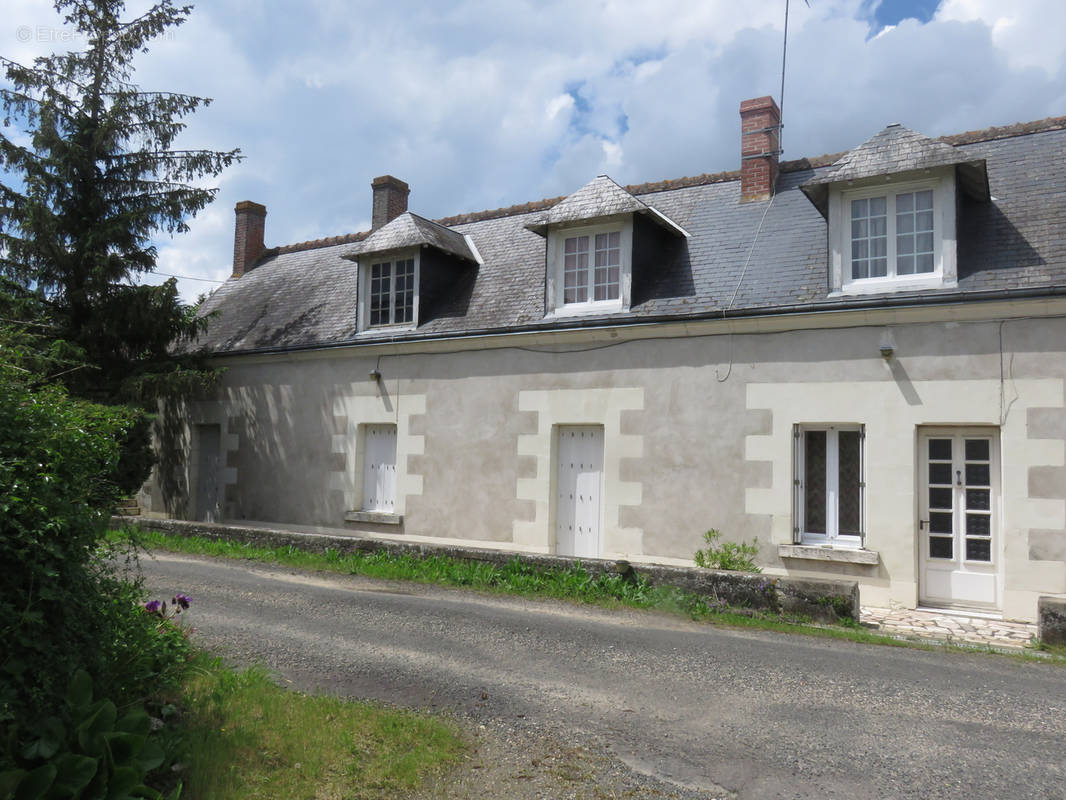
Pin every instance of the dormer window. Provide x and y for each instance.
(590, 248)
(595, 279)
(891, 204)
(392, 292)
(893, 235)
(405, 268)
(893, 238)
(591, 267)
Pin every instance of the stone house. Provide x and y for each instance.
(857, 359)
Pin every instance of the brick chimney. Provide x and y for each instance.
(390, 199)
(248, 236)
(760, 137)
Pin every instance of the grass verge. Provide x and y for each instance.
(518, 578)
(244, 737)
(574, 584)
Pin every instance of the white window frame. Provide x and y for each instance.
(832, 536)
(366, 264)
(944, 272)
(556, 260)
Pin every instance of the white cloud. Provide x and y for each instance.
(559, 104)
(483, 103)
(1028, 32)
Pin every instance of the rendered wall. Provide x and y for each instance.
(698, 434)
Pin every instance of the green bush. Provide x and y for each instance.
(60, 607)
(727, 555)
(88, 751)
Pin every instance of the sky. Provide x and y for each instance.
(479, 104)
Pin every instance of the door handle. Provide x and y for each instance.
(922, 523)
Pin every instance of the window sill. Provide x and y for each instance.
(376, 517)
(828, 553)
(890, 285)
(588, 309)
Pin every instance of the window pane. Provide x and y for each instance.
(869, 242)
(978, 475)
(575, 270)
(978, 499)
(940, 547)
(380, 290)
(814, 481)
(850, 466)
(607, 260)
(940, 449)
(977, 450)
(940, 522)
(940, 498)
(978, 549)
(940, 474)
(404, 292)
(978, 525)
(905, 265)
(923, 200)
(924, 263)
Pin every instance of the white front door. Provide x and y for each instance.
(958, 523)
(579, 491)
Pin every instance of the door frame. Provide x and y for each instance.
(998, 547)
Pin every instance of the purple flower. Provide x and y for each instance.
(182, 600)
(152, 606)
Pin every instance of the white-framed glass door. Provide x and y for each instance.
(959, 538)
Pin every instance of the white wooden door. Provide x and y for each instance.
(958, 524)
(209, 457)
(579, 491)
(379, 468)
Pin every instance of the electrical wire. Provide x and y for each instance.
(769, 205)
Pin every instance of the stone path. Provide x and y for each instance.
(944, 626)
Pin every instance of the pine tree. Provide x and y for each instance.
(81, 202)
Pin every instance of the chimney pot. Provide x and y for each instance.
(248, 236)
(760, 145)
(390, 199)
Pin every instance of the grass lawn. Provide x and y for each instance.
(241, 736)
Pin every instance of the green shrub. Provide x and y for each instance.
(87, 751)
(61, 606)
(727, 555)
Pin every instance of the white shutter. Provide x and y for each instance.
(379, 468)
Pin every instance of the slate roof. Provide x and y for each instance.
(894, 151)
(601, 197)
(304, 295)
(411, 230)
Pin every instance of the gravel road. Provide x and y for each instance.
(566, 701)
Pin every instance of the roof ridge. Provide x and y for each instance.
(991, 133)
